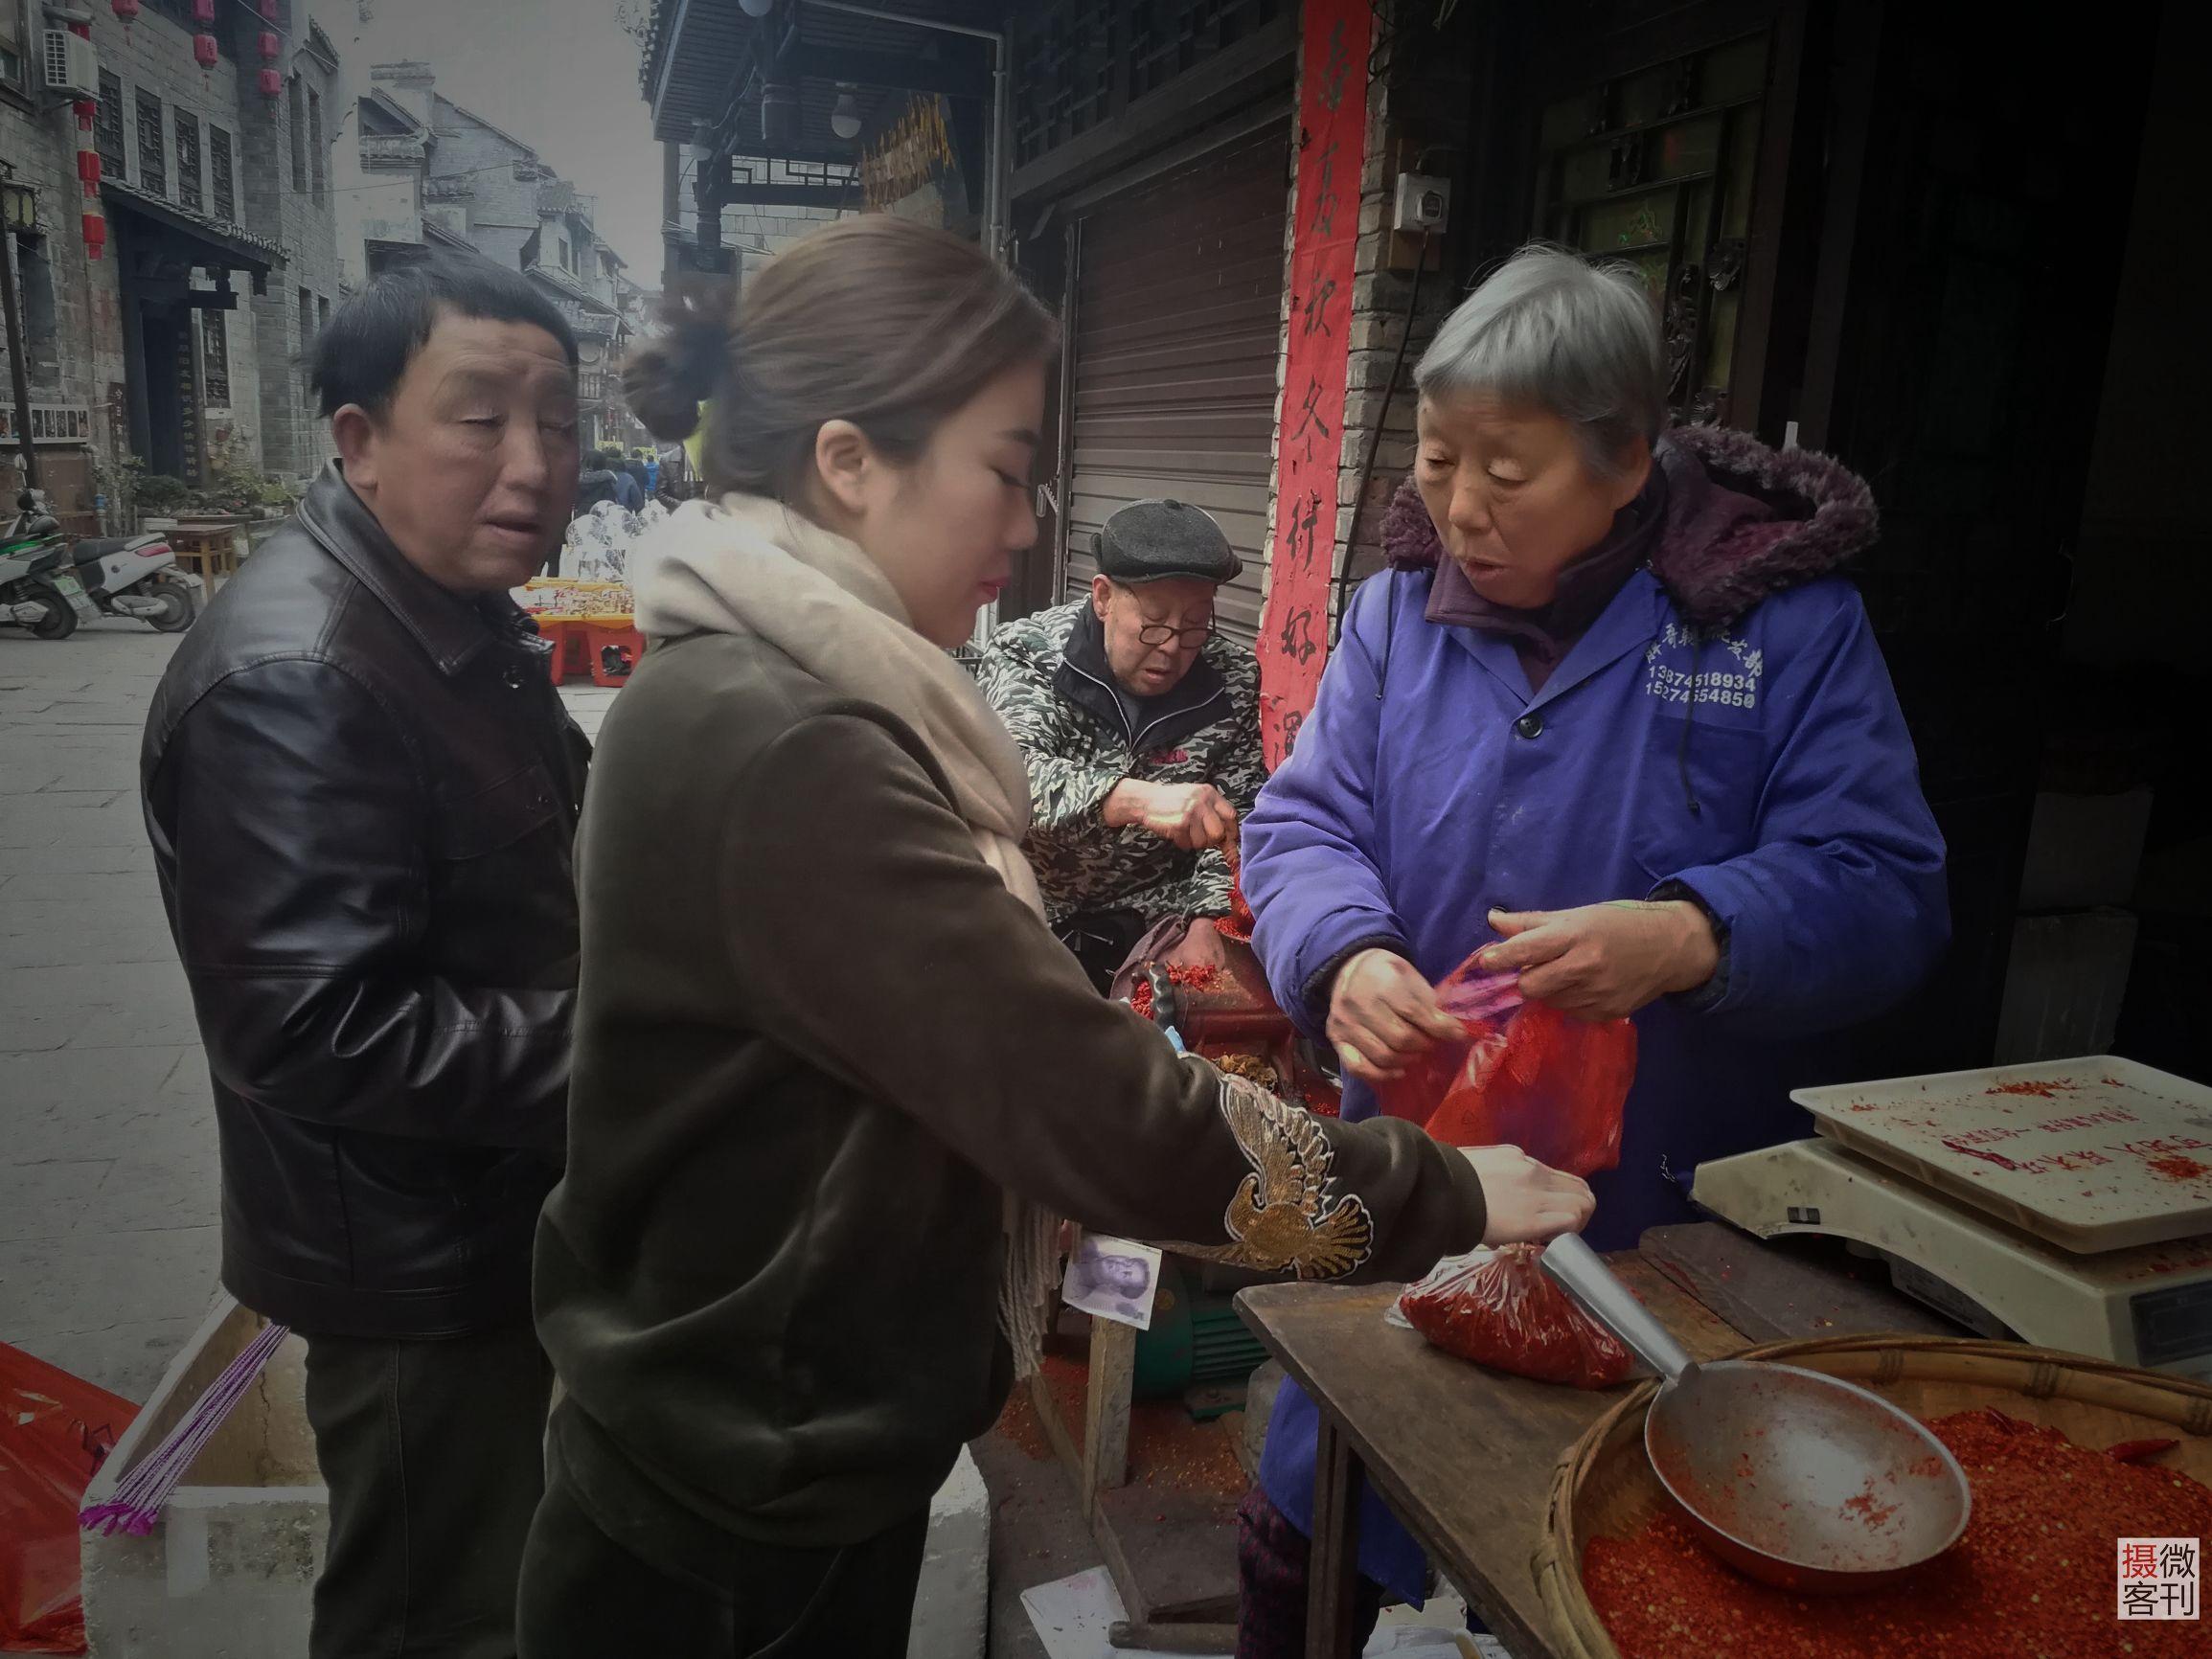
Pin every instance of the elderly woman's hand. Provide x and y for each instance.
(1384, 1015)
(1603, 962)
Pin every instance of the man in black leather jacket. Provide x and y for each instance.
(362, 789)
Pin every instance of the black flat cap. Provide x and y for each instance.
(1154, 540)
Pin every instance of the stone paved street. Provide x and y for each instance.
(108, 1187)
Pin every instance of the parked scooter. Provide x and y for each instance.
(129, 576)
(38, 589)
(137, 576)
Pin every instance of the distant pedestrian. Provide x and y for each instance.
(361, 789)
(636, 471)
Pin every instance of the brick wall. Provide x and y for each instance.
(1420, 110)
(75, 364)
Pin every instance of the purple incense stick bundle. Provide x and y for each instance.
(139, 1496)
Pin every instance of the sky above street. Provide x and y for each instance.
(559, 74)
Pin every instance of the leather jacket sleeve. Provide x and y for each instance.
(302, 839)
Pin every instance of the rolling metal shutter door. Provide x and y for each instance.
(1177, 319)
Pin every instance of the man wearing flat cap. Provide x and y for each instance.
(1141, 727)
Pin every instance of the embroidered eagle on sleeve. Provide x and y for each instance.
(1282, 1217)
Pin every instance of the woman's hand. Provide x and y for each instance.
(1528, 1202)
(1384, 1015)
(1603, 961)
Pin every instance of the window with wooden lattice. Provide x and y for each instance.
(187, 182)
(1085, 61)
(152, 145)
(222, 182)
(107, 128)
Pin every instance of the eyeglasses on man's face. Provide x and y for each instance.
(1157, 636)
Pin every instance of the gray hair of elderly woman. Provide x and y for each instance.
(1548, 329)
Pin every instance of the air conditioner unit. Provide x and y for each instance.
(72, 65)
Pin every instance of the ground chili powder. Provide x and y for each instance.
(2180, 1169)
(2033, 1578)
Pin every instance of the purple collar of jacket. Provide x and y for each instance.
(1737, 522)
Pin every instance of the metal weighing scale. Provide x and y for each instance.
(2068, 1202)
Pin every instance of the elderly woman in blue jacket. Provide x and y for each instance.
(1613, 716)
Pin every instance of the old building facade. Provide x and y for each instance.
(173, 297)
(436, 174)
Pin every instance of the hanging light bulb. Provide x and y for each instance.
(756, 8)
(845, 118)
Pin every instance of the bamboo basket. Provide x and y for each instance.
(1604, 1486)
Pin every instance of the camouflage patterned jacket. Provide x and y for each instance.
(1076, 737)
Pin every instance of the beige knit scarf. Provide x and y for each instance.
(748, 565)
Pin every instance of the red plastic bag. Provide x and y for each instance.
(1526, 1076)
(1500, 1308)
(55, 1430)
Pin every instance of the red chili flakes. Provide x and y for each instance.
(2180, 1169)
(2049, 1091)
(1192, 976)
(1018, 1423)
(2031, 1579)
(1865, 1508)
(1238, 924)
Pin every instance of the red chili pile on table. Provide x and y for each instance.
(2033, 1579)
(1194, 976)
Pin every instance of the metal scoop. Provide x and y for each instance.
(1792, 1477)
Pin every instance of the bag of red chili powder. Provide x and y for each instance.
(1499, 1309)
(1526, 1076)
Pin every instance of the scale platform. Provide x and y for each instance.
(2069, 1202)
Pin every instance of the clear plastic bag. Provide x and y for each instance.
(55, 1430)
(1499, 1309)
(1525, 1075)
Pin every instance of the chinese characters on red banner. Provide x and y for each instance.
(1333, 139)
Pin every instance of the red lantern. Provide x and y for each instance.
(126, 10)
(269, 10)
(272, 46)
(88, 171)
(95, 234)
(87, 112)
(203, 48)
(272, 83)
(203, 12)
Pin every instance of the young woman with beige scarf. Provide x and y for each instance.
(835, 1080)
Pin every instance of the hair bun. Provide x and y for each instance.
(669, 376)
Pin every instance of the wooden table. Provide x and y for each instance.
(1463, 1455)
(207, 548)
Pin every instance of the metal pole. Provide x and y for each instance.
(17, 368)
(1001, 158)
